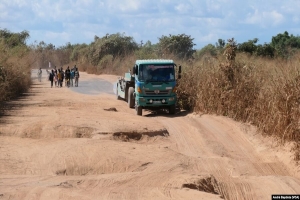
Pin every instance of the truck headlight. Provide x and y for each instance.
(171, 99)
(150, 101)
(163, 101)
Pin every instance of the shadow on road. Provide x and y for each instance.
(7, 108)
(165, 113)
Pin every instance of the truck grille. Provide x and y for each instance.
(157, 92)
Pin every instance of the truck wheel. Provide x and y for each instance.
(172, 109)
(139, 110)
(130, 97)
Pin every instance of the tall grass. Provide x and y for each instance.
(263, 92)
(14, 71)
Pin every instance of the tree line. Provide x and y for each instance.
(282, 45)
(102, 51)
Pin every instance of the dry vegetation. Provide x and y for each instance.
(14, 70)
(263, 92)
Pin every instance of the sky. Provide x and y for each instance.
(78, 21)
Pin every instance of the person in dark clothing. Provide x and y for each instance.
(67, 76)
(72, 76)
(51, 77)
(62, 76)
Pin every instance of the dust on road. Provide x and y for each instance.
(82, 143)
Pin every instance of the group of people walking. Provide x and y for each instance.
(58, 76)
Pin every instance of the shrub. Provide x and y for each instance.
(14, 64)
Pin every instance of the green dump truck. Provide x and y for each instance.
(150, 85)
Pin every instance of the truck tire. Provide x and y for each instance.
(130, 97)
(139, 110)
(172, 109)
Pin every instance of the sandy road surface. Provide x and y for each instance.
(60, 143)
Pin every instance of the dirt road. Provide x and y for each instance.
(60, 143)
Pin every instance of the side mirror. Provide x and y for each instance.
(133, 70)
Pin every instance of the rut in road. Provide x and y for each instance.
(216, 147)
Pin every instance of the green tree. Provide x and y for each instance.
(248, 47)
(180, 45)
(283, 43)
(79, 51)
(220, 44)
(265, 50)
(117, 45)
(13, 39)
(209, 50)
(147, 51)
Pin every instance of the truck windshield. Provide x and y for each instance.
(156, 73)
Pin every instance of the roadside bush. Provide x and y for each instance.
(14, 64)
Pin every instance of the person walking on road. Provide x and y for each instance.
(59, 77)
(51, 77)
(62, 76)
(67, 76)
(72, 75)
(55, 78)
(76, 77)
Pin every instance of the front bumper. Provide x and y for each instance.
(155, 101)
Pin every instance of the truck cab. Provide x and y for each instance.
(151, 85)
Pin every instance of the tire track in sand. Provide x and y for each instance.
(220, 148)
